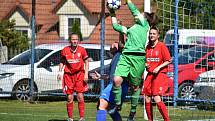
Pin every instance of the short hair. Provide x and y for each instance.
(73, 34)
(152, 18)
(155, 28)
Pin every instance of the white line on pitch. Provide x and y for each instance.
(203, 120)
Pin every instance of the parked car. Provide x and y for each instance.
(15, 74)
(191, 63)
(205, 86)
(191, 37)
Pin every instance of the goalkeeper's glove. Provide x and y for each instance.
(126, 1)
(112, 12)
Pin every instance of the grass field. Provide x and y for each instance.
(13, 110)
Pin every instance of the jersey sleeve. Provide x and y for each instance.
(117, 27)
(136, 13)
(84, 54)
(165, 53)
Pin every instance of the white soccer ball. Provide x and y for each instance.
(114, 4)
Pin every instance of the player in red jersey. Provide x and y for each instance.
(156, 83)
(74, 63)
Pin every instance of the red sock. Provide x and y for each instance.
(149, 111)
(162, 109)
(81, 109)
(70, 109)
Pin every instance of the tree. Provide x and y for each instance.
(198, 14)
(76, 29)
(10, 37)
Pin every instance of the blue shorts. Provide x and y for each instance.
(107, 93)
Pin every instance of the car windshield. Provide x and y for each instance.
(95, 54)
(24, 58)
(192, 54)
(169, 38)
(180, 48)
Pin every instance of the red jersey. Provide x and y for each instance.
(74, 60)
(157, 55)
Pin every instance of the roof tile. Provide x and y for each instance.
(46, 18)
(43, 14)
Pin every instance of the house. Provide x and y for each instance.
(20, 10)
(54, 18)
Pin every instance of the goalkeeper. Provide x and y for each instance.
(131, 64)
(106, 100)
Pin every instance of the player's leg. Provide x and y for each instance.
(134, 102)
(116, 116)
(103, 103)
(135, 79)
(147, 92)
(162, 108)
(80, 98)
(160, 85)
(149, 108)
(68, 88)
(70, 106)
(101, 112)
(117, 91)
(134, 99)
(106, 98)
(122, 70)
(80, 88)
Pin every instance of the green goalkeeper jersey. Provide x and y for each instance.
(136, 35)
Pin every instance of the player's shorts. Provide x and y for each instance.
(108, 95)
(131, 66)
(155, 84)
(74, 83)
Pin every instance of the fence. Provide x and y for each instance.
(8, 53)
(193, 22)
(3, 54)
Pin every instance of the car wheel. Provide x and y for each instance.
(21, 91)
(186, 91)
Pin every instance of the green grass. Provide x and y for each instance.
(12, 110)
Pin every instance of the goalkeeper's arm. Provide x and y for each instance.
(132, 8)
(117, 27)
(136, 13)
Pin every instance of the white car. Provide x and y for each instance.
(204, 86)
(16, 73)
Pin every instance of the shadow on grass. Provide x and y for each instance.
(59, 120)
(56, 120)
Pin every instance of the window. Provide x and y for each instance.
(169, 39)
(192, 55)
(24, 58)
(53, 60)
(201, 39)
(95, 54)
(72, 22)
(211, 58)
(23, 32)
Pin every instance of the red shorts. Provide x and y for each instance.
(155, 84)
(74, 83)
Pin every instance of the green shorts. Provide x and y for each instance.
(131, 67)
